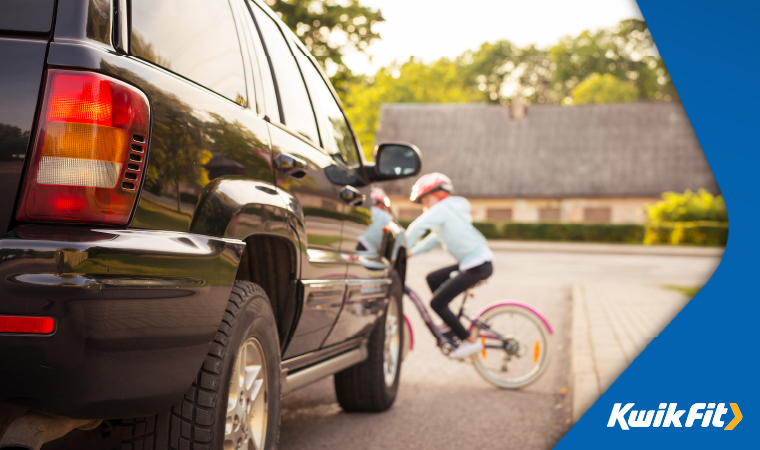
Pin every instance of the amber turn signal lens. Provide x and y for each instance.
(82, 147)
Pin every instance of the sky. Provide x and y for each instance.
(432, 29)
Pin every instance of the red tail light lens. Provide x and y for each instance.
(81, 170)
(26, 325)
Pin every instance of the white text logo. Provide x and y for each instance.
(705, 414)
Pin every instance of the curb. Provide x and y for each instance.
(584, 382)
(619, 249)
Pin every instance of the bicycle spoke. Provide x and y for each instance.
(517, 343)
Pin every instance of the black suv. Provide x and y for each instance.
(187, 227)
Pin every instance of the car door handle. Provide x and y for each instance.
(290, 166)
(351, 196)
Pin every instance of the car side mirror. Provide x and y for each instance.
(395, 161)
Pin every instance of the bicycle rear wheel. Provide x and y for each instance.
(518, 351)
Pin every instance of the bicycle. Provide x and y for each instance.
(513, 356)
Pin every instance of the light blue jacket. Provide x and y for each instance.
(450, 224)
(373, 237)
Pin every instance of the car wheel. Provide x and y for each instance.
(372, 385)
(234, 402)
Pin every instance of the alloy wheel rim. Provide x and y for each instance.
(392, 348)
(247, 404)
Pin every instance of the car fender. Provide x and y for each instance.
(238, 207)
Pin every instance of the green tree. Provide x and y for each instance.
(502, 70)
(410, 82)
(626, 51)
(605, 88)
(328, 29)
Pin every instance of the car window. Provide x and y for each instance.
(193, 38)
(295, 104)
(336, 135)
(271, 104)
(256, 99)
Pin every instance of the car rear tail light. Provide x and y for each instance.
(89, 152)
(26, 325)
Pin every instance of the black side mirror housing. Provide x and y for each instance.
(394, 161)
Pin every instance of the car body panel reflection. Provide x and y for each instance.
(154, 298)
(21, 72)
(365, 301)
(322, 303)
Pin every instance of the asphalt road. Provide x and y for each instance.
(444, 404)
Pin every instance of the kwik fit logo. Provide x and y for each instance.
(668, 415)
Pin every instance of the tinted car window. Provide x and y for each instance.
(270, 94)
(336, 135)
(295, 103)
(194, 38)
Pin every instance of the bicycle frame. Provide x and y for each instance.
(512, 348)
(424, 313)
(491, 334)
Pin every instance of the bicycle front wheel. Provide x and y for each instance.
(517, 346)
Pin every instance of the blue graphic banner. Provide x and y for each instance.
(696, 385)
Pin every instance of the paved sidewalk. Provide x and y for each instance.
(617, 249)
(612, 322)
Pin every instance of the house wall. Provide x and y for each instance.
(573, 210)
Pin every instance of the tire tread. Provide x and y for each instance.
(361, 388)
(189, 425)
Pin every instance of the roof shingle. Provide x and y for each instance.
(611, 150)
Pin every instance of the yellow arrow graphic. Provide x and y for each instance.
(737, 417)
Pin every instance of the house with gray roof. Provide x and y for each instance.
(586, 163)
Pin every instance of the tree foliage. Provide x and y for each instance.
(328, 29)
(619, 63)
(410, 82)
(625, 51)
(605, 88)
(606, 65)
(501, 69)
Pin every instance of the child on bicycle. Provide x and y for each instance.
(382, 215)
(449, 221)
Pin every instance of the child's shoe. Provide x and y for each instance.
(465, 349)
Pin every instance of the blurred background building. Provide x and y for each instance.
(595, 163)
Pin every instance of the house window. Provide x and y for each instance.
(499, 215)
(409, 214)
(597, 215)
(549, 214)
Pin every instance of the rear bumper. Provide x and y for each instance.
(135, 311)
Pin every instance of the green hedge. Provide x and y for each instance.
(490, 230)
(574, 232)
(675, 233)
(690, 233)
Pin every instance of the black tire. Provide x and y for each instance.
(362, 388)
(198, 421)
